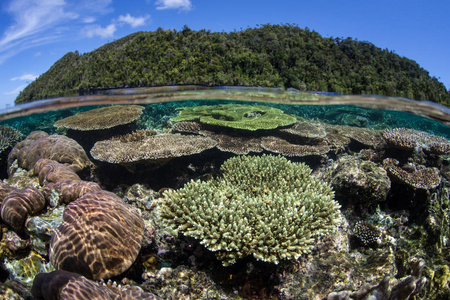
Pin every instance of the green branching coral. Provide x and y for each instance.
(237, 116)
(265, 206)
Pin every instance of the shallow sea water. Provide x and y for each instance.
(399, 244)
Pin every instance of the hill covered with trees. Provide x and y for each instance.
(269, 55)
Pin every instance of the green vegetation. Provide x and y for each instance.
(269, 55)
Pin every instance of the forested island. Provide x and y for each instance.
(283, 56)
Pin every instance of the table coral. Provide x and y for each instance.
(102, 118)
(264, 206)
(154, 148)
(237, 116)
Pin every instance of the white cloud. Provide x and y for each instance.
(25, 77)
(96, 30)
(17, 90)
(39, 22)
(174, 4)
(133, 21)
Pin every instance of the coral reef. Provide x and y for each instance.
(49, 170)
(18, 204)
(155, 148)
(100, 236)
(359, 180)
(9, 136)
(63, 285)
(55, 147)
(237, 116)
(413, 175)
(264, 206)
(366, 233)
(102, 118)
(405, 138)
(69, 190)
(281, 146)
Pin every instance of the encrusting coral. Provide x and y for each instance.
(265, 206)
(102, 118)
(18, 204)
(100, 237)
(237, 116)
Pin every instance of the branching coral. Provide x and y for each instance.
(8, 138)
(264, 206)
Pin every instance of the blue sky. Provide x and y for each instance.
(36, 33)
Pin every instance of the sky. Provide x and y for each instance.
(34, 34)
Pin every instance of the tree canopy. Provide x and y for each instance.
(268, 55)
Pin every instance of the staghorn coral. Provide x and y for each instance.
(237, 116)
(102, 118)
(155, 148)
(405, 138)
(281, 146)
(18, 204)
(55, 147)
(416, 176)
(100, 236)
(51, 171)
(264, 206)
(64, 285)
(70, 190)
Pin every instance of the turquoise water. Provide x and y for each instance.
(157, 115)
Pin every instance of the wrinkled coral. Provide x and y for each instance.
(366, 233)
(151, 149)
(18, 204)
(70, 190)
(405, 138)
(100, 236)
(418, 177)
(281, 146)
(5, 189)
(264, 206)
(237, 116)
(51, 171)
(13, 155)
(102, 118)
(55, 147)
(63, 285)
